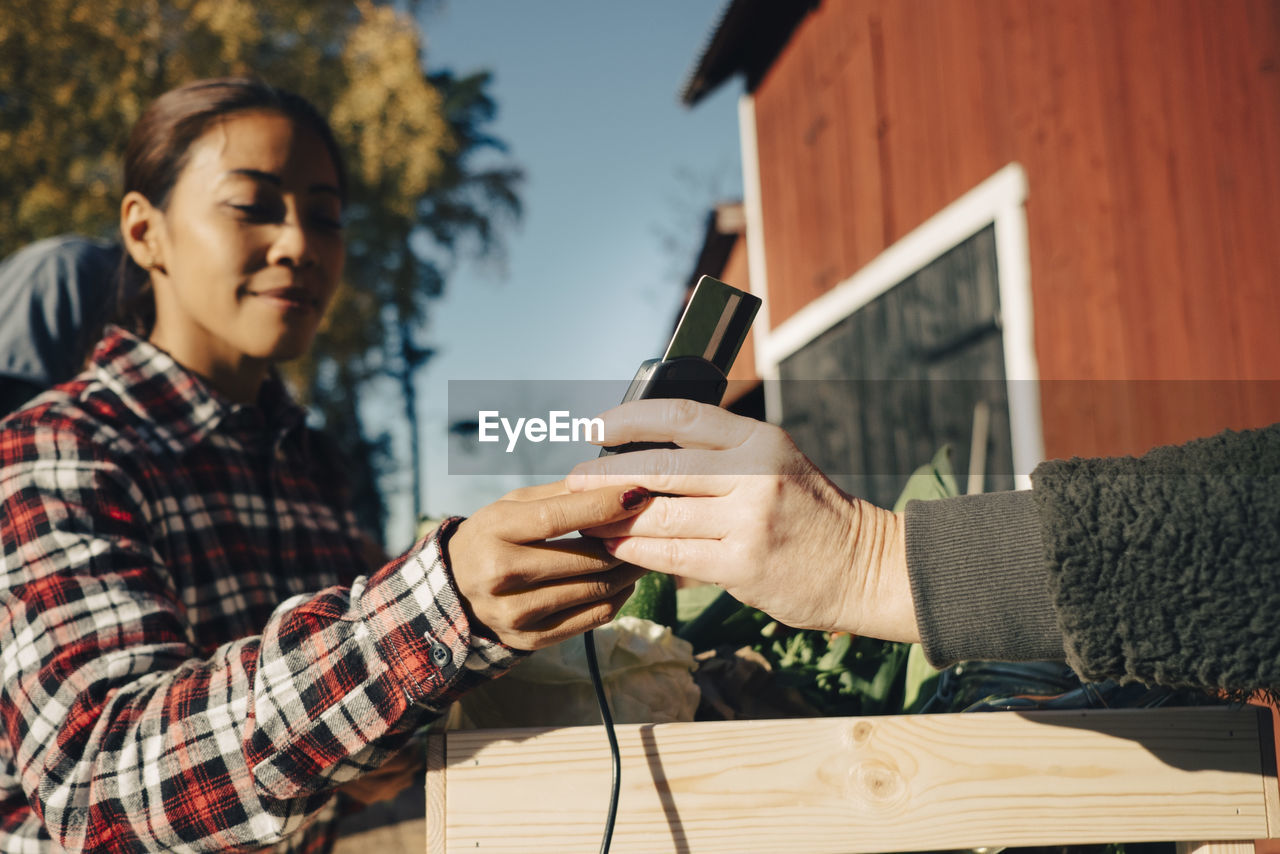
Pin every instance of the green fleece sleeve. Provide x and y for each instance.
(1165, 569)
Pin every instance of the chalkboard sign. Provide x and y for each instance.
(920, 366)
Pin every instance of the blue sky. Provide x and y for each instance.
(588, 102)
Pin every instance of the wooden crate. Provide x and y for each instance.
(867, 784)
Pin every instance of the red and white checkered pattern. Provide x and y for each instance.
(170, 678)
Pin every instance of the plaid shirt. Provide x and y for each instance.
(170, 678)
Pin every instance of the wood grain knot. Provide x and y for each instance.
(861, 731)
(878, 782)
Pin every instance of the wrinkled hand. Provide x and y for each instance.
(388, 781)
(527, 588)
(738, 505)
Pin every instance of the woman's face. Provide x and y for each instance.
(249, 251)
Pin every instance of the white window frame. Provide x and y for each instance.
(999, 200)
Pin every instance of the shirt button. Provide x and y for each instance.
(440, 654)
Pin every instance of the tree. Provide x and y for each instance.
(75, 76)
(461, 214)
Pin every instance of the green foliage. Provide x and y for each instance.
(692, 602)
(837, 672)
(934, 479)
(400, 259)
(920, 680)
(654, 599)
(76, 76)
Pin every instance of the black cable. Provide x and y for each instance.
(589, 643)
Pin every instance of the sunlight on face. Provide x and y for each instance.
(251, 247)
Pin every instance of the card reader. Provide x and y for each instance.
(696, 364)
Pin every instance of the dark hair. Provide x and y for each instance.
(161, 141)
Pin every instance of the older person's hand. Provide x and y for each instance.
(738, 505)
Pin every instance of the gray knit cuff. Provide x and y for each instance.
(980, 579)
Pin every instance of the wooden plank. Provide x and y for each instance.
(436, 804)
(864, 784)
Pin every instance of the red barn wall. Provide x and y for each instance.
(1150, 134)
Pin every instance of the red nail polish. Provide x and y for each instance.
(635, 498)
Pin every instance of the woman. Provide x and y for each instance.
(193, 654)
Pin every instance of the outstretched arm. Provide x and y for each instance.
(125, 735)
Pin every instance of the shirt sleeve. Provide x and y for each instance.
(1162, 569)
(125, 737)
(1165, 568)
(980, 580)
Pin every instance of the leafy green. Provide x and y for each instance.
(692, 601)
(920, 682)
(935, 479)
(654, 599)
(838, 673)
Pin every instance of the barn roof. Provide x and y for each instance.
(746, 39)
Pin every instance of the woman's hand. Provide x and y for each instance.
(529, 589)
(738, 505)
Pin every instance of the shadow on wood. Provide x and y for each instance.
(871, 784)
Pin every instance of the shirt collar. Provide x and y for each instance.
(183, 409)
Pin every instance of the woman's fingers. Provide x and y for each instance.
(538, 618)
(527, 521)
(534, 564)
(670, 471)
(688, 424)
(535, 607)
(573, 621)
(687, 518)
(698, 560)
(516, 570)
(717, 451)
